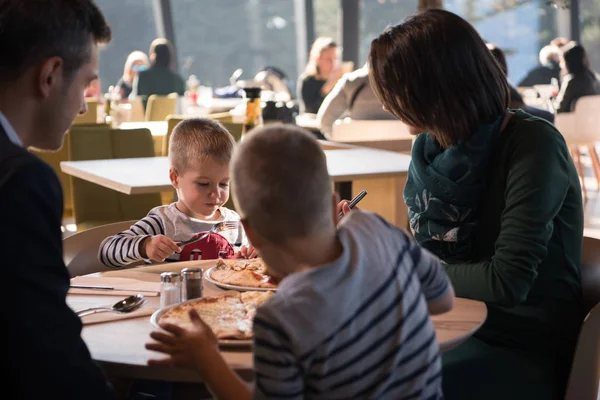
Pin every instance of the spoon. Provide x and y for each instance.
(127, 305)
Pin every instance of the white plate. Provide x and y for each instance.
(223, 342)
(226, 286)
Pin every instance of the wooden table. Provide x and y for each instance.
(382, 173)
(119, 345)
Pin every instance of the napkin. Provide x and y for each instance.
(122, 286)
(98, 318)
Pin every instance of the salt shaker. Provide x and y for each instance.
(170, 289)
(192, 283)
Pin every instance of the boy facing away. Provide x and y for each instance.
(199, 153)
(351, 316)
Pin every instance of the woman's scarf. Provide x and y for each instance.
(444, 191)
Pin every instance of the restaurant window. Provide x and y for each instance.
(519, 27)
(215, 38)
(375, 16)
(590, 34)
(126, 36)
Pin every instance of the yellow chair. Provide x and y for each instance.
(91, 115)
(159, 107)
(235, 129)
(137, 110)
(172, 121)
(94, 205)
(134, 143)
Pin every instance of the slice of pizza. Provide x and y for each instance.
(225, 314)
(248, 273)
(252, 300)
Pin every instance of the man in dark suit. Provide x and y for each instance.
(49, 56)
(159, 79)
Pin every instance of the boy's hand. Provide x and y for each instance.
(191, 348)
(247, 252)
(158, 248)
(344, 208)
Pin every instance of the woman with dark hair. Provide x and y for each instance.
(580, 80)
(494, 193)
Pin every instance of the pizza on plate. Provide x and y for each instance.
(248, 273)
(229, 315)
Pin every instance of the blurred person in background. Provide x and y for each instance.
(580, 80)
(548, 68)
(351, 97)
(136, 62)
(159, 79)
(320, 75)
(516, 101)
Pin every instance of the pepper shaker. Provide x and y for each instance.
(170, 289)
(192, 283)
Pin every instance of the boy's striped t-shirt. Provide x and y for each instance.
(356, 328)
(123, 248)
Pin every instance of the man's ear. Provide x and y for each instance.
(253, 237)
(174, 176)
(51, 76)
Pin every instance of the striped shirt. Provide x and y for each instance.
(123, 248)
(357, 328)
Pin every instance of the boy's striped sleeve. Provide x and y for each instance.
(124, 248)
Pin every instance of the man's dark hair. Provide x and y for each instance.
(32, 31)
(434, 72)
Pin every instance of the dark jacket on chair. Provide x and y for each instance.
(45, 356)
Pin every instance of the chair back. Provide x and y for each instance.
(159, 107)
(172, 121)
(566, 125)
(80, 251)
(588, 117)
(92, 204)
(134, 143)
(584, 379)
(235, 129)
(90, 116)
(95, 205)
(137, 110)
(590, 272)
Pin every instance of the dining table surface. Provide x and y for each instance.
(119, 345)
(151, 174)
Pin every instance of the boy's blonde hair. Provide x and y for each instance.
(197, 139)
(282, 185)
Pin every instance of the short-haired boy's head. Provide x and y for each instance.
(282, 187)
(197, 139)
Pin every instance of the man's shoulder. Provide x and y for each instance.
(15, 160)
